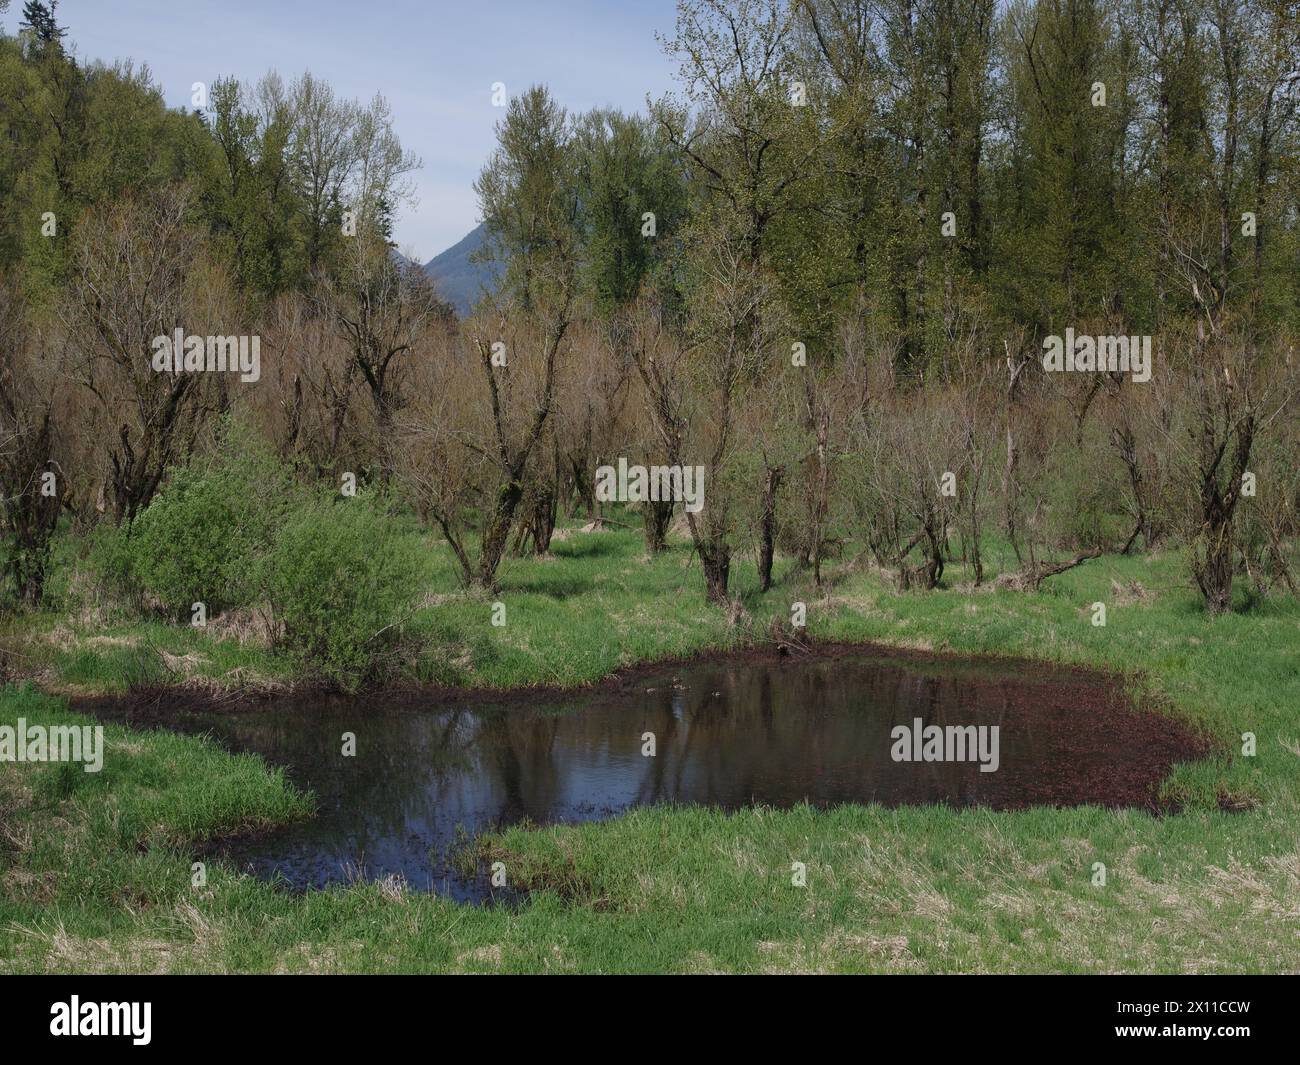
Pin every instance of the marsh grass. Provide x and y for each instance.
(95, 873)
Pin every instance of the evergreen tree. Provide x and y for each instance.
(39, 19)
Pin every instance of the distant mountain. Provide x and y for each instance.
(459, 281)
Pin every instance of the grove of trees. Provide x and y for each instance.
(822, 268)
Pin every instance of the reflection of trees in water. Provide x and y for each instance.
(726, 734)
(818, 730)
(658, 716)
(768, 734)
(519, 747)
(389, 789)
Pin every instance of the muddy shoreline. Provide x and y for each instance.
(161, 702)
(772, 726)
(1055, 696)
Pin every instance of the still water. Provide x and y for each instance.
(427, 775)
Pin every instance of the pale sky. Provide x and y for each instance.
(435, 62)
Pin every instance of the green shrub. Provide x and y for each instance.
(341, 580)
(203, 534)
(1086, 504)
(109, 562)
(339, 575)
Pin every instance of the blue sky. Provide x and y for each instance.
(435, 61)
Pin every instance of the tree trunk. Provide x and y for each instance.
(543, 519)
(767, 547)
(497, 532)
(657, 516)
(716, 561)
(1214, 569)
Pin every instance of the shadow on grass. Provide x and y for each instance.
(589, 545)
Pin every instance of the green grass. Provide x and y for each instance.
(95, 871)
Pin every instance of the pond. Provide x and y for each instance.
(429, 773)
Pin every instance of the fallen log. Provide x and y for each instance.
(1029, 580)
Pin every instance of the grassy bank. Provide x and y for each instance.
(95, 869)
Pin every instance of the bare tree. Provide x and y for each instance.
(380, 307)
(133, 265)
(30, 490)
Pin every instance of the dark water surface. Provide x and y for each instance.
(430, 774)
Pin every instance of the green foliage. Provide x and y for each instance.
(112, 667)
(528, 197)
(624, 170)
(39, 18)
(271, 166)
(1087, 509)
(200, 539)
(339, 575)
(341, 580)
(248, 192)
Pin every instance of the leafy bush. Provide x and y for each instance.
(109, 561)
(1086, 501)
(201, 537)
(339, 575)
(343, 576)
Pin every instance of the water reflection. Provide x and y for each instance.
(726, 734)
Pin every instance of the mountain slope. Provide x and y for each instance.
(458, 280)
